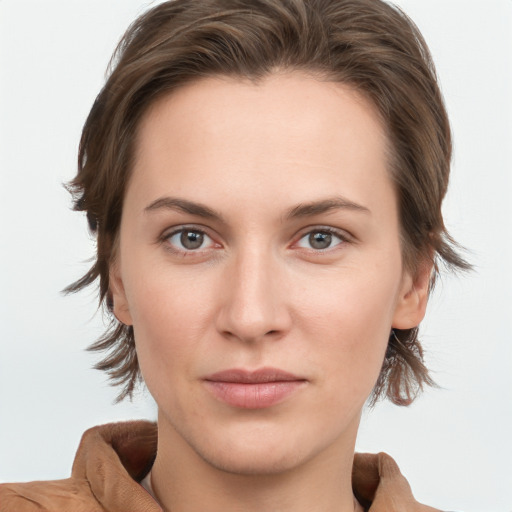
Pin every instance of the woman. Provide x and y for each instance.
(265, 180)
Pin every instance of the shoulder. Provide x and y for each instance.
(110, 461)
(51, 496)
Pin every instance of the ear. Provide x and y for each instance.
(412, 300)
(121, 309)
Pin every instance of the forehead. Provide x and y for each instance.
(290, 132)
(291, 102)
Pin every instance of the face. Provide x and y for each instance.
(259, 263)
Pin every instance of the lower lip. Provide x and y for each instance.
(253, 395)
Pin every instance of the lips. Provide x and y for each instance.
(258, 389)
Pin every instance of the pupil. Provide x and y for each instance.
(191, 239)
(320, 240)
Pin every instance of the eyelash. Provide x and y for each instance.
(166, 238)
(341, 236)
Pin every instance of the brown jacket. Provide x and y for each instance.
(113, 458)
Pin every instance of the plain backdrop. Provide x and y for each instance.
(454, 444)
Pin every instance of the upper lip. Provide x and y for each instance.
(260, 375)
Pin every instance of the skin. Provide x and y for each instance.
(257, 293)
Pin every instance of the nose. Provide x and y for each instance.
(254, 303)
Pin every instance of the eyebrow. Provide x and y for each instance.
(324, 206)
(175, 203)
(299, 211)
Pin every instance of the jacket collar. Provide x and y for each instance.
(113, 458)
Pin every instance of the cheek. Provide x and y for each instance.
(171, 314)
(349, 318)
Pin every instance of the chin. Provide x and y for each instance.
(263, 448)
(253, 461)
(261, 442)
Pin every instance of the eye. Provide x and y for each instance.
(320, 239)
(189, 239)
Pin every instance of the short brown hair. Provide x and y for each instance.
(367, 44)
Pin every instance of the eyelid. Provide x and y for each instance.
(170, 232)
(342, 234)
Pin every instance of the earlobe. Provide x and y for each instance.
(120, 307)
(412, 301)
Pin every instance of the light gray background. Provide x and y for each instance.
(454, 445)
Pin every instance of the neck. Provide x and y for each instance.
(184, 481)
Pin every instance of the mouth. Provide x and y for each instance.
(257, 389)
